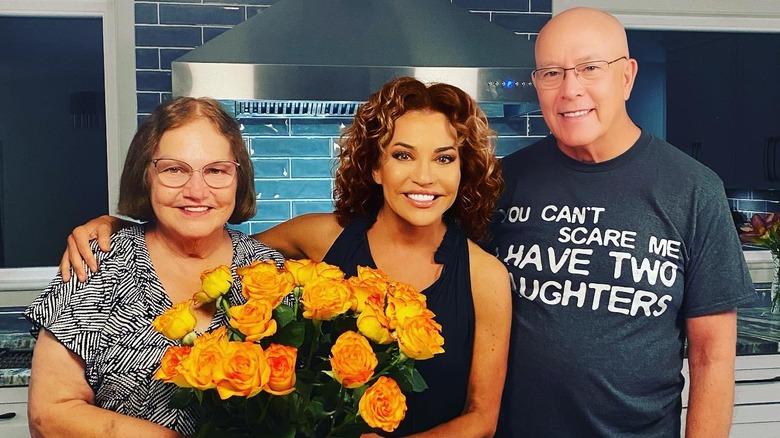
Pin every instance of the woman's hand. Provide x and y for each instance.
(79, 252)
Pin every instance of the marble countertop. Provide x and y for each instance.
(758, 331)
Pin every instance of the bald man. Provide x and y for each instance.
(620, 248)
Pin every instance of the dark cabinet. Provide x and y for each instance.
(723, 106)
(701, 100)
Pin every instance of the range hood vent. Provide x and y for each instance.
(287, 108)
(343, 50)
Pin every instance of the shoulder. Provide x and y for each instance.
(677, 164)
(487, 272)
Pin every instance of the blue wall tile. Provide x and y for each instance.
(298, 189)
(541, 6)
(290, 147)
(209, 33)
(147, 102)
(312, 168)
(147, 58)
(318, 126)
(201, 14)
(521, 22)
(493, 5)
(265, 127)
(153, 80)
(537, 126)
(256, 227)
(167, 36)
(271, 168)
(510, 125)
(252, 11)
(303, 207)
(146, 13)
(168, 55)
(272, 210)
(243, 227)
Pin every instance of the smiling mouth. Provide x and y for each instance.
(195, 209)
(576, 113)
(419, 197)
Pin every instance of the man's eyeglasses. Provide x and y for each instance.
(175, 173)
(587, 73)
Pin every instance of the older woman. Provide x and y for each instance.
(187, 174)
(417, 178)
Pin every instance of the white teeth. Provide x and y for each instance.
(420, 197)
(576, 113)
(196, 209)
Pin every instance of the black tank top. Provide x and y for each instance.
(449, 297)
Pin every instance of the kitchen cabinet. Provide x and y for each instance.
(701, 100)
(14, 400)
(723, 106)
(756, 397)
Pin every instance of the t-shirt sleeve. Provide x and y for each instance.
(717, 277)
(76, 313)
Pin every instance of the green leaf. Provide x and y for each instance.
(417, 381)
(291, 334)
(284, 314)
(182, 397)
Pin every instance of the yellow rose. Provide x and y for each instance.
(206, 354)
(254, 319)
(419, 337)
(325, 298)
(370, 274)
(175, 322)
(383, 405)
(373, 323)
(243, 370)
(169, 365)
(263, 281)
(306, 270)
(214, 283)
(352, 360)
(403, 296)
(281, 360)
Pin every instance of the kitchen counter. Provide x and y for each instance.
(758, 331)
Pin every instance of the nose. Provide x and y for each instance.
(424, 173)
(571, 86)
(196, 187)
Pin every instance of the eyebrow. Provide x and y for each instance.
(580, 60)
(437, 150)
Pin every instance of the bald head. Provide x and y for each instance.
(582, 26)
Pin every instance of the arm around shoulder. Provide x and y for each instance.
(305, 236)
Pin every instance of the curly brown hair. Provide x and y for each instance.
(134, 190)
(362, 143)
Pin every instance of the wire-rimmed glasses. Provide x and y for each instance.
(587, 73)
(176, 173)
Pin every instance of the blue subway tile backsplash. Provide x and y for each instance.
(201, 14)
(168, 36)
(493, 5)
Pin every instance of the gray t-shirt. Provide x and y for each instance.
(607, 261)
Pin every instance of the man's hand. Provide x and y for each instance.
(79, 252)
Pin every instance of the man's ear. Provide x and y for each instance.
(629, 76)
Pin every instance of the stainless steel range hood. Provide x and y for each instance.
(342, 50)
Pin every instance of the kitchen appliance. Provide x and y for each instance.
(322, 57)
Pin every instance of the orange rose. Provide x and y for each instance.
(254, 319)
(243, 370)
(325, 298)
(175, 322)
(373, 323)
(281, 360)
(370, 274)
(361, 290)
(306, 270)
(206, 354)
(263, 281)
(352, 359)
(169, 365)
(419, 337)
(214, 283)
(403, 296)
(383, 405)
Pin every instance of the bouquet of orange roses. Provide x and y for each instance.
(309, 354)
